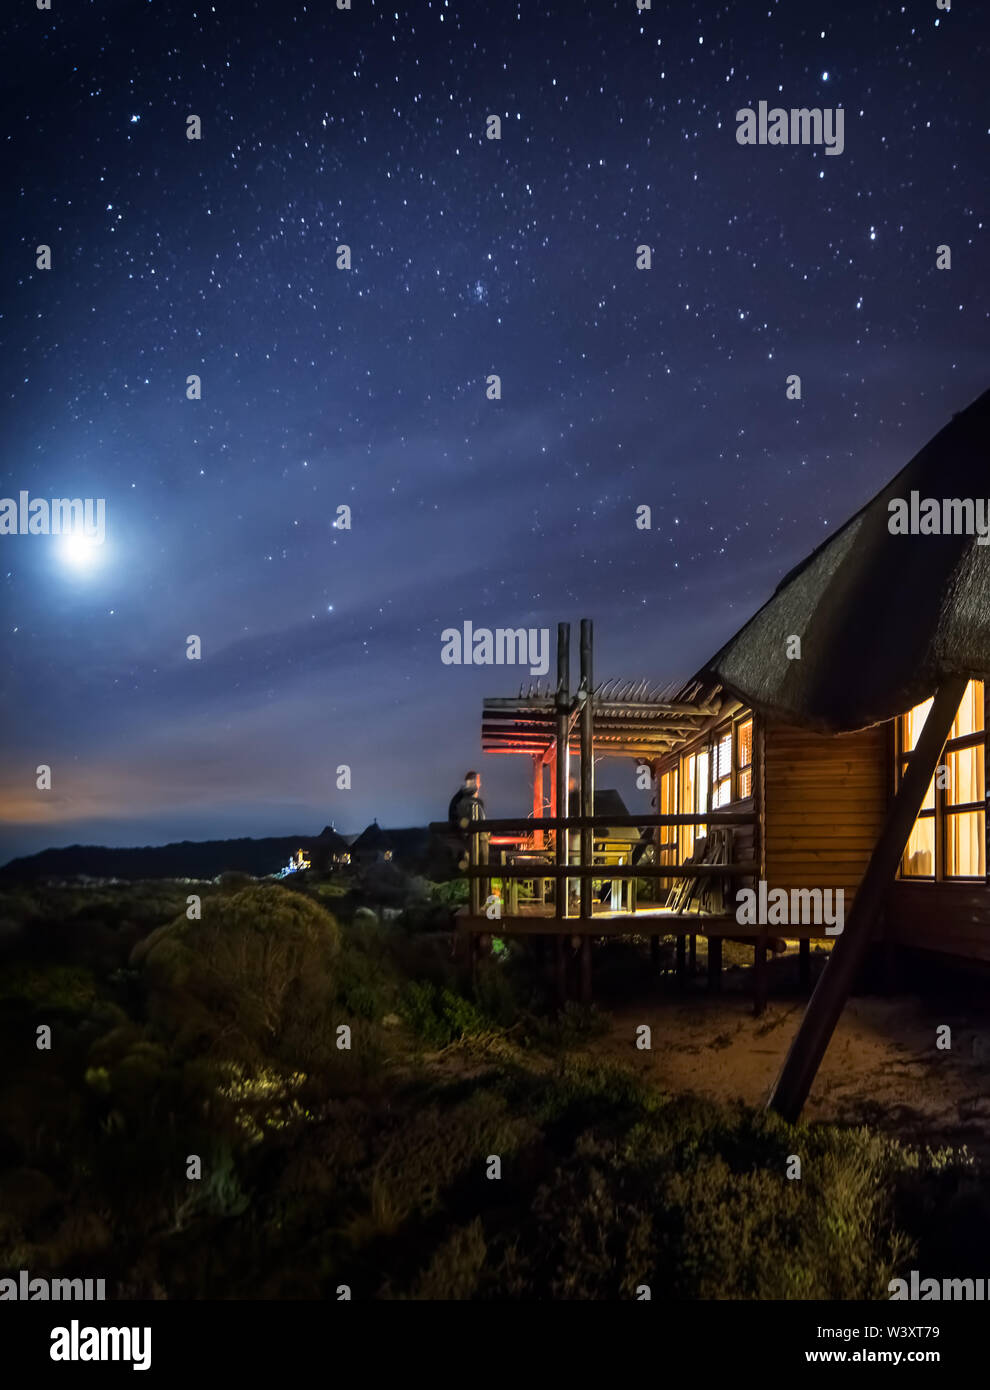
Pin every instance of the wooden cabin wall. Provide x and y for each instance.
(951, 918)
(825, 803)
(745, 840)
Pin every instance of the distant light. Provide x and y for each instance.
(329, 607)
(135, 119)
(824, 76)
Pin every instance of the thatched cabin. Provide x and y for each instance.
(373, 846)
(328, 851)
(836, 744)
(827, 689)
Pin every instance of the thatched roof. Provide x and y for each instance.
(882, 618)
(372, 839)
(329, 839)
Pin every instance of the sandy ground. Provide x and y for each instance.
(882, 1067)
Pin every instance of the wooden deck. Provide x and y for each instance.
(539, 921)
(536, 920)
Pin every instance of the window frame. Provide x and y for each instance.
(941, 810)
(738, 767)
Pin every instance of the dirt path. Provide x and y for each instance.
(882, 1067)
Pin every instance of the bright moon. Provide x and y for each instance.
(80, 553)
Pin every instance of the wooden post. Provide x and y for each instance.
(560, 963)
(804, 962)
(693, 954)
(537, 797)
(837, 979)
(655, 952)
(563, 758)
(986, 771)
(587, 761)
(474, 859)
(715, 963)
(759, 975)
(561, 772)
(486, 883)
(680, 957)
(586, 969)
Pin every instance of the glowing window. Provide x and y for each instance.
(949, 837)
(744, 759)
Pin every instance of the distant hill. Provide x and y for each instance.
(187, 858)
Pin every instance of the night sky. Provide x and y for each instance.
(367, 386)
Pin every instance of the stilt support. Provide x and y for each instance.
(759, 976)
(586, 970)
(715, 964)
(833, 989)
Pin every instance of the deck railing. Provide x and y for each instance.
(479, 871)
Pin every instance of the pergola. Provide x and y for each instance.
(630, 719)
(633, 719)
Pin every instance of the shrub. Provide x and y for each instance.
(66, 988)
(693, 1200)
(438, 1015)
(365, 974)
(257, 969)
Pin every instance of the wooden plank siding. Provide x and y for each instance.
(825, 802)
(951, 918)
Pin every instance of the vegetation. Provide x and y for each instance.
(350, 1092)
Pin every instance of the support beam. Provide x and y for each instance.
(537, 798)
(648, 819)
(563, 759)
(715, 964)
(586, 704)
(804, 962)
(560, 969)
(474, 863)
(759, 975)
(586, 970)
(837, 979)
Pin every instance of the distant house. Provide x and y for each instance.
(297, 862)
(329, 851)
(372, 846)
